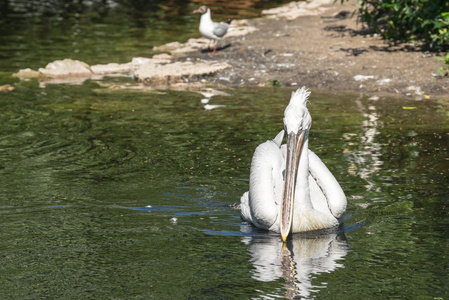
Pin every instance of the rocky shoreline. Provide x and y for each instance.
(321, 45)
(317, 44)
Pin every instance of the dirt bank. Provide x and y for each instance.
(327, 49)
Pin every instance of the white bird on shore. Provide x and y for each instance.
(290, 188)
(210, 29)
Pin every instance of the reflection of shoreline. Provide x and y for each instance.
(298, 262)
(367, 159)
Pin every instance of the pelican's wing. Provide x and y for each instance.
(329, 186)
(245, 210)
(220, 29)
(260, 205)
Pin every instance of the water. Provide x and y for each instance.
(130, 194)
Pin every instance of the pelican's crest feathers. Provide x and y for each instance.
(300, 95)
(296, 114)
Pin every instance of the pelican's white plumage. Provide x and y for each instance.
(291, 189)
(266, 177)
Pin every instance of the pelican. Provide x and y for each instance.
(210, 29)
(290, 188)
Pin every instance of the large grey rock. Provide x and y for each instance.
(66, 68)
(26, 73)
(176, 72)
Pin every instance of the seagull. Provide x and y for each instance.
(210, 29)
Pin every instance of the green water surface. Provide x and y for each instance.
(125, 194)
(130, 194)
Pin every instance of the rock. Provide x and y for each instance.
(201, 43)
(151, 73)
(26, 73)
(112, 68)
(412, 88)
(189, 46)
(6, 88)
(240, 30)
(384, 81)
(363, 77)
(162, 58)
(192, 45)
(294, 10)
(66, 68)
(167, 47)
(136, 62)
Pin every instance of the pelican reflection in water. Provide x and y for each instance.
(298, 262)
(290, 188)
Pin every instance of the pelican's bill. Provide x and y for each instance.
(295, 142)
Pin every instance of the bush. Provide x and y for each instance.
(409, 20)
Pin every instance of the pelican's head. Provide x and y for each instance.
(201, 10)
(297, 122)
(296, 115)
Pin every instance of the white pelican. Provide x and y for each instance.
(210, 29)
(290, 188)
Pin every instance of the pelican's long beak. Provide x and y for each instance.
(295, 142)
